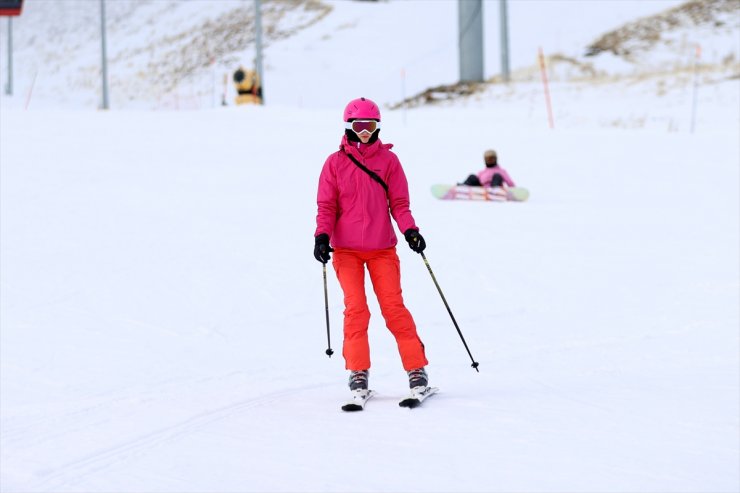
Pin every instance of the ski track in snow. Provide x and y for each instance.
(160, 299)
(69, 474)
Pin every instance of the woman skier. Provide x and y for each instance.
(359, 186)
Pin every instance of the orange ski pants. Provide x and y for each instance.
(385, 273)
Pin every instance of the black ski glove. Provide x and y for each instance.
(321, 249)
(416, 241)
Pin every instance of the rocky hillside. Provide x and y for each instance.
(711, 18)
(157, 49)
(666, 47)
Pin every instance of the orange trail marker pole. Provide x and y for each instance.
(543, 71)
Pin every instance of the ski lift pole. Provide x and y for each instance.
(429, 268)
(329, 350)
(258, 47)
(9, 87)
(105, 104)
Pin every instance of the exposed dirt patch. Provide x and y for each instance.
(441, 93)
(636, 43)
(168, 60)
(643, 34)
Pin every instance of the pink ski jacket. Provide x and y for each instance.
(487, 174)
(353, 208)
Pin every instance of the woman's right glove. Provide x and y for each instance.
(416, 241)
(321, 249)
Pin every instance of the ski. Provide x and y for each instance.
(358, 400)
(417, 396)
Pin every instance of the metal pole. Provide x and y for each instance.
(10, 56)
(329, 350)
(9, 87)
(470, 40)
(258, 46)
(504, 22)
(104, 55)
(429, 268)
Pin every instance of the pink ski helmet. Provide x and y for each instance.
(361, 109)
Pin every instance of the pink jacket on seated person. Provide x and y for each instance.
(353, 208)
(487, 175)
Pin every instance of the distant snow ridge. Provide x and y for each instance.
(668, 47)
(166, 60)
(717, 17)
(160, 53)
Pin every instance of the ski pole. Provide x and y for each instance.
(329, 351)
(429, 268)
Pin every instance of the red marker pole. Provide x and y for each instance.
(550, 119)
(30, 90)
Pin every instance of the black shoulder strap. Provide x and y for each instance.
(372, 174)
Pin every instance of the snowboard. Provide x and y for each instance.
(489, 194)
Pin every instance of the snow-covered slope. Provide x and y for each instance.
(162, 319)
(175, 54)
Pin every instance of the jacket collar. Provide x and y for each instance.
(360, 150)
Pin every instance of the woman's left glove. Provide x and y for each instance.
(416, 241)
(321, 249)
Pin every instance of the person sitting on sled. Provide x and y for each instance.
(492, 176)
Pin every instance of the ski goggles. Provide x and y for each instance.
(359, 126)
